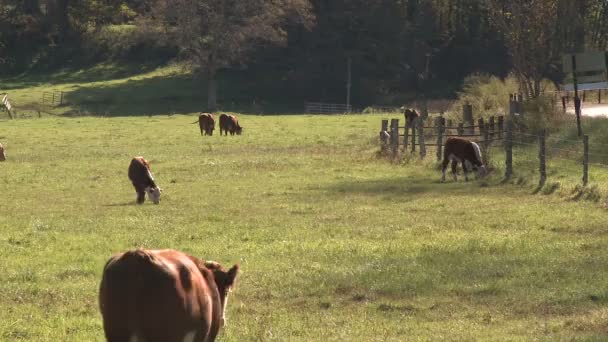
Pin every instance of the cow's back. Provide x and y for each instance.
(156, 296)
(139, 172)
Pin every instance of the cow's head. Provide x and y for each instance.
(482, 171)
(239, 130)
(224, 281)
(2, 155)
(154, 194)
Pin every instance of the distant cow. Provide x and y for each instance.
(458, 150)
(206, 122)
(143, 181)
(410, 116)
(2, 155)
(230, 123)
(163, 295)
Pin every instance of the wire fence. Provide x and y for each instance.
(547, 154)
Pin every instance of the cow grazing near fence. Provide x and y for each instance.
(230, 123)
(206, 122)
(458, 150)
(163, 295)
(2, 154)
(410, 116)
(143, 181)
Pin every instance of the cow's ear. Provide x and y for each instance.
(231, 274)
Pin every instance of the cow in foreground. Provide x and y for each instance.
(143, 181)
(206, 122)
(163, 296)
(230, 123)
(2, 155)
(458, 150)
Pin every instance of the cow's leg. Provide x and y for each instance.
(454, 165)
(444, 166)
(141, 194)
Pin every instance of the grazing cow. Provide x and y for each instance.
(143, 181)
(206, 122)
(410, 116)
(163, 295)
(230, 123)
(2, 155)
(458, 150)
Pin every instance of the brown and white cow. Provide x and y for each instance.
(143, 181)
(163, 295)
(410, 116)
(206, 122)
(2, 154)
(459, 150)
(230, 123)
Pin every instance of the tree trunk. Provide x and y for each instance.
(31, 7)
(57, 11)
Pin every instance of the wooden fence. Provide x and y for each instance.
(52, 98)
(326, 108)
(486, 133)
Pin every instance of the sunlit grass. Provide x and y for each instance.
(335, 243)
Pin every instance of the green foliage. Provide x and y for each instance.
(489, 95)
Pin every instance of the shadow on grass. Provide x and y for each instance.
(151, 96)
(130, 203)
(90, 73)
(408, 186)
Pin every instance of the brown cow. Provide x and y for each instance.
(230, 123)
(163, 295)
(2, 155)
(459, 150)
(143, 181)
(206, 122)
(410, 116)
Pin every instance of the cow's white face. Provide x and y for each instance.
(154, 194)
(482, 171)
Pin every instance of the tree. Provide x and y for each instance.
(537, 33)
(217, 34)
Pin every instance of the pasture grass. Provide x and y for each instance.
(336, 243)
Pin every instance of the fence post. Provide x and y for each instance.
(599, 96)
(420, 123)
(482, 126)
(406, 136)
(383, 140)
(501, 126)
(492, 126)
(61, 98)
(413, 124)
(467, 117)
(509, 147)
(541, 157)
(460, 129)
(395, 136)
(585, 159)
(487, 143)
(439, 123)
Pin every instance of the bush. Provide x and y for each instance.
(489, 95)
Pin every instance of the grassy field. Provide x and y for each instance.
(335, 243)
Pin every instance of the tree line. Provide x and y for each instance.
(299, 49)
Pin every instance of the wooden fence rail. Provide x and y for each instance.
(326, 108)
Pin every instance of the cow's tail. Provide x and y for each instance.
(195, 122)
